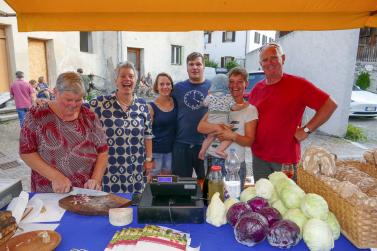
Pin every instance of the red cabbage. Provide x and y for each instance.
(284, 234)
(257, 203)
(250, 230)
(271, 214)
(235, 212)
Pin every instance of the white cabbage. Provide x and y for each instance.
(264, 188)
(276, 176)
(229, 202)
(248, 194)
(282, 183)
(297, 217)
(315, 206)
(274, 197)
(279, 205)
(291, 196)
(318, 235)
(334, 225)
(216, 211)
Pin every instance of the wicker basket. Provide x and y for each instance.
(357, 224)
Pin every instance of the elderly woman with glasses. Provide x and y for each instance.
(127, 124)
(63, 142)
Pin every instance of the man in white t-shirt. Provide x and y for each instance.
(244, 124)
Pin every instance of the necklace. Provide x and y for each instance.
(124, 105)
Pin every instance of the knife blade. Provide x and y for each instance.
(85, 191)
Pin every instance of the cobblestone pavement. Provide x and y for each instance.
(9, 135)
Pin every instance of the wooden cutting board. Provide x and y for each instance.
(93, 205)
(33, 241)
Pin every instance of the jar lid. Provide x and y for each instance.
(216, 168)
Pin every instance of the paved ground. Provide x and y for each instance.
(12, 167)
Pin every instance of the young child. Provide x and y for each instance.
(219, 103)
(42, 88)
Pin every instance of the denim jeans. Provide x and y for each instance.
(21, 115)
(214, 161)
(162, 163)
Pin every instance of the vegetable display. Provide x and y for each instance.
(284, 234)
(280, 211)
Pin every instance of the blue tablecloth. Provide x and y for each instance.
(94, 233)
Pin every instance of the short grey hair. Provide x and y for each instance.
(126, 65)
(70, 82)
(275, 45)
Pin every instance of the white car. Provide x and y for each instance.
(363, 103)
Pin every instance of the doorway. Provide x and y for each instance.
(37, 59)
(133, 55)
(4, 70)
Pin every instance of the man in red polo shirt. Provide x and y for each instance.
(281, 100)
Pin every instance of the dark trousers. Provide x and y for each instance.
(185, 159)
(262, 168)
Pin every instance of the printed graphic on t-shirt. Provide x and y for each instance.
(193, 99)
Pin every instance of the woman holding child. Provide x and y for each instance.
(243, 124)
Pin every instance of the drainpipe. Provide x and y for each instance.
(246, 41)
(119, 46)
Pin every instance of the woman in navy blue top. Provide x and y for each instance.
(163, 111)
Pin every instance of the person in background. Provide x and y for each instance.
(33, 84)
(23, 94)
(63, 142)
(189, 95)
(43, 89)
(163, 112)
(127, 123)
(281, 100)
(149, 80)
(241, 129)
(85, 80)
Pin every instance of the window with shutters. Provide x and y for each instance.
(264, 39)
(86, 42)
(207, 37)
(176, 54)
(229, 36)
(256, 37)
(225, 60)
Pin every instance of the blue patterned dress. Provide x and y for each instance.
(126, 132)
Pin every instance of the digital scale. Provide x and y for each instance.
(171, 199)
(9, 189)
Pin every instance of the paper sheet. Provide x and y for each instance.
(17, 205)
(53, 212)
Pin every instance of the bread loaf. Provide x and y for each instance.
(318, 160)
(8, 226)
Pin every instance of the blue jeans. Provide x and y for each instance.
(21, 115)
(162, 163)
(214, 161)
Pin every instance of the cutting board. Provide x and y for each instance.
(93, 205)
(33, 241)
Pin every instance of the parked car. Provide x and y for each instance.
(254, 77)
(363, 103)
(221, 70)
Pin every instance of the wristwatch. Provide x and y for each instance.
(307, 130)
(148, 159)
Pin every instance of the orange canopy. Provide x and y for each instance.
(186, 15)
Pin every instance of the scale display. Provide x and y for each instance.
(166, 179)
